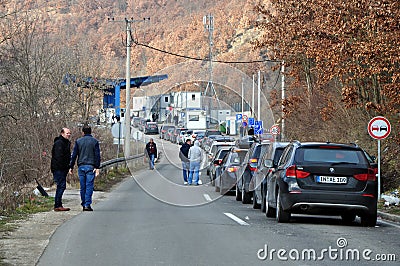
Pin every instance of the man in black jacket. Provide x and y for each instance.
(60, 157)
(183, 155)
(151, 149)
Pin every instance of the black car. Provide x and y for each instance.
(247, 169)
(246, 141)
(323, 178)
(151, 128)
(258, 183)
(215, 162)
(229, 166)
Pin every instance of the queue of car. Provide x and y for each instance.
(285, 178)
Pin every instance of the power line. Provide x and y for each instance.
(203, 59)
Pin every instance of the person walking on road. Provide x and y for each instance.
(87, 151)
(151, 149)
(195, 156)
(60, 158)
(183, 155)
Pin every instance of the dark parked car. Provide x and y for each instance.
(247, 169)
(246, 142)
(164, 129)
(215, 163)
(323, 178)
(259, 181)
(229, 166)
(210, 132)
(151, 128)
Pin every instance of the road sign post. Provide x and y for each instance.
(379, 128)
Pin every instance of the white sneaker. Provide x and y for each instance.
(185, 183)
(200, 183)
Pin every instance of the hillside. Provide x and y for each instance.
(173, 26)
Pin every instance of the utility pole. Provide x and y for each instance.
(259, 97)
(208, 22)
(283, 98)
(127, 141)
(127, 115)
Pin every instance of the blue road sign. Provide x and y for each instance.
(251, 121)
(258, 127)
(238, 117)
(244, 124)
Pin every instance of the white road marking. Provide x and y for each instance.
(236, 219)
(207, 197)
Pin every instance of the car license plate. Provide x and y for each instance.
(332, 179)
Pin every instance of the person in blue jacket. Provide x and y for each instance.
(87, 151)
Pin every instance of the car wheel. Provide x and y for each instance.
(281, 215)
(269, 211)
(262, 201)
(221, 190)
(212, 177)
(238, 195)
(246, 196)
(348, 218)
(255, 204)
(368, 219)
(217, 188)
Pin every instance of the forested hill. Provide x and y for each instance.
(173, 26)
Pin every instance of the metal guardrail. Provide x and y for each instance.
(119, 160)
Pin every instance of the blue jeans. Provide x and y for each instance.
(86, 178)
(151, 161)
(60, 178)
(186, 170)
(194, 169)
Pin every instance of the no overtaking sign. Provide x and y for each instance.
(379, 127)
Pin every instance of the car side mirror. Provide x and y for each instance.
(268, 163)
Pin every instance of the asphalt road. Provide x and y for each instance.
(152, 219)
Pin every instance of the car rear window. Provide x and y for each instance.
(304, 155)
(241, 154)
(256, 152)
(277, 155)
(222, 153)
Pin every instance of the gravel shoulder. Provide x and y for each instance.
(25, 244)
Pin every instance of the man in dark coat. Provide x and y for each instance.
(87, 154)
(60, 157)
(151, 149)
(183, 155)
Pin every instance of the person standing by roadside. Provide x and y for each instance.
(87, 151)
(60, 158)
(195, 156)
(151, 149)
(183, 155)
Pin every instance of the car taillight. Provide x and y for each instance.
(232, 169)
(370, 176)
(293, 172)
(219, 162)
(253, 165)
